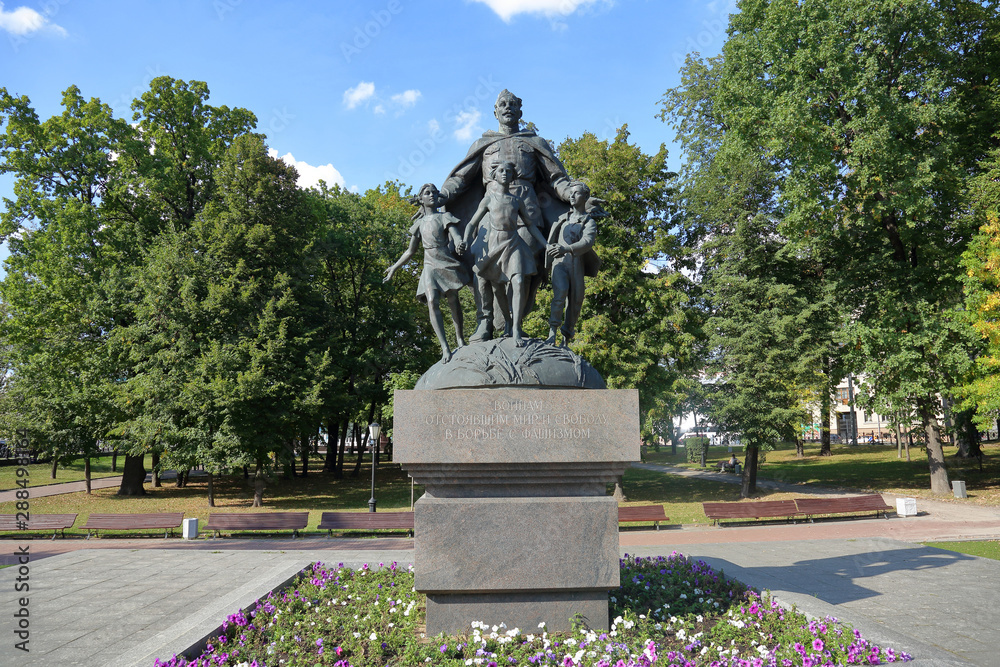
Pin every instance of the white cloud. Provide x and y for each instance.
(358, 94)
(379, 109)
(467, 124)
(433, 127)
(407, 98)
(507, 9)
(24, 20)
(310, 176)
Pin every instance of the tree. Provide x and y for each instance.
(220, 341)
(61, 249)
(872, 115)
(368, 328)
(638, 327)
(759, 336)
(982, 293)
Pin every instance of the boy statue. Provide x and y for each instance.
(569, 257)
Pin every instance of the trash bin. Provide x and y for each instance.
(958, 487)
(189, 528)
(906, 506)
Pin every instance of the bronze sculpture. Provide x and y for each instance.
(539, 179)
(443, 274)
(569, 257)
(506, 259)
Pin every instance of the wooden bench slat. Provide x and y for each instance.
(57, 523)
(758, 509)
(293, 521)
(634, 513)
(331, 521)
(165, 521)
(849, 505)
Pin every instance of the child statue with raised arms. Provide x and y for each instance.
(443, 274)
(506, 258)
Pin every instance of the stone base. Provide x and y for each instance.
(453, 614)
(509, 545)
(515, 526)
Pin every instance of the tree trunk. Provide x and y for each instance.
(114, 460)
(899, 440)
(86, 473)
(360, 445)
(258, 486)
(133, 476)
(825, 407)
(306, 444)
(55, 464)
(909, 440)
(749, 485)
(330, 462)
(935, 453)
(339, 472)
(155, 465)
(211, 490)
(800, 448)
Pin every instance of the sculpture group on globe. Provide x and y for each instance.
(512, 217)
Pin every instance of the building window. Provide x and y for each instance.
(842, 396)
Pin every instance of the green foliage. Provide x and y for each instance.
(982, 291)
(638, 327)
(866, 120)
(694, 448)
(171, 288)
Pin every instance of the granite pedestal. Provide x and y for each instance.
(515, 525)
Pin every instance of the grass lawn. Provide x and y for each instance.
(865, 467)
(984, 549)
(72, 471)
(318, 492)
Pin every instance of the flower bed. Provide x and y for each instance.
(669, 611)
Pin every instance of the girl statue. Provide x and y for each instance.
(443, 274)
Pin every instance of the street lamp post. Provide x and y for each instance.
(374, 430)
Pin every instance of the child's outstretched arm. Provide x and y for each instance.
(522, 211)
(406, 257)
(473, 227)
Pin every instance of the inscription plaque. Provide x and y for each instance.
(513, 425)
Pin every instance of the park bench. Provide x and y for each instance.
(633, 513)
(850, 505)
(57, 523)
(293, 521)
(367, 521)
(165, 521)
(758, 509)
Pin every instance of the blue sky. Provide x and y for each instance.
(362, 92)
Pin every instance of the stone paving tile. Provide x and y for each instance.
(932, 603)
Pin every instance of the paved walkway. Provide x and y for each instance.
(126, 602)
(80, 485)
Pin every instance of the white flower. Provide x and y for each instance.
(541, 625)
(373, 636)
(357, 634)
